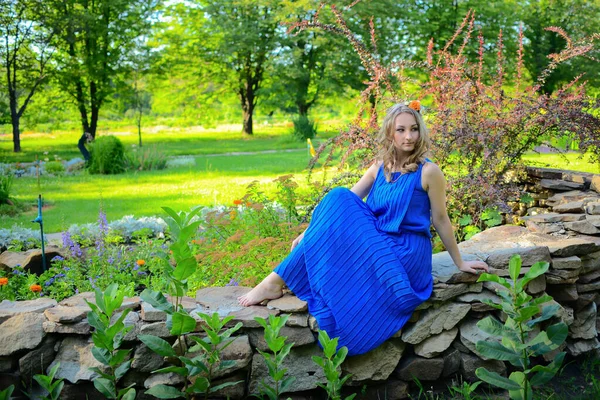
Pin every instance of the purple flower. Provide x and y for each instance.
(57, 259)
(72, 246)
(142, 273)
(110, 260)
(233, 282)
(76, 291)
(102, 223)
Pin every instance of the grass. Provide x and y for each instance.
(213, 180)
(172, 141)
(571, 161)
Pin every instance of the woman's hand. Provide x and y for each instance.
(474, 267)
(297, 240)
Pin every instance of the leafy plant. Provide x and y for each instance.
(6, 182)
(280, 349)
(47, 382)
(107, 338)
(465, 391)
(145, 159)
(304, 128)
(517, 345)
(196, 371)
(107, 156)
(331, 366)
(6, 393)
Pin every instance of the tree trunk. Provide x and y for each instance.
(16, 135)
(139, 125)
(247, 108)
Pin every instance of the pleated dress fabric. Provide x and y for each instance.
(363, 268)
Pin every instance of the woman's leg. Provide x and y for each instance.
(270, 288)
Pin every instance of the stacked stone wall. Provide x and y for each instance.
(437, 343)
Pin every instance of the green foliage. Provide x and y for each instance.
(197, 371)
(465, 391)
(517, 345)
(304, 128)
(280, 349)
(5, 394)
(331, 365)
(54, 167)
(6, 182)
(52, 387)
(107, 156)
(108, 337)
(147, 158)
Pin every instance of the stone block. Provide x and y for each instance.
(595, 183)
(572, 262)
(470, 334)
(579, 347)
(434, 321)
(247, 314)
(584, 325)
(76, 359)
(11, 308)
(288, 304)
(65, 315)
(145, 360)
(469, 364)
(21, 332)
(423, 369)
(298, 336)
(529, 256)
(570, 207)
(376, 365)
(223, 300)
(443, 292)
(593, 208)
(36, 361)
(298, 319)
(435, 345)
(563, 292)
(78, 328)
(307, 373)
(560, 185)
(452, 359)
(584, 227)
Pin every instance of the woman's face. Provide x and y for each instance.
(406, 133)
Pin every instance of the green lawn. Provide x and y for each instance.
(213, 180)
(570, 161)
(172, 141)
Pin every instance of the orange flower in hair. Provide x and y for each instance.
(415, 105)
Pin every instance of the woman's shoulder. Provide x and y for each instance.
(432, 174)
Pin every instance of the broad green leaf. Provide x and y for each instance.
(172, 214)
(465, 220)
(6, 393)
(157, 300)
(129, 395)
(101, 355)
(177, 370)
(518, 394)
(106, 387)
(201, 385)
(43, 380)
(57, 389)
(541, 337)
(545, 374)
(493, 378)
(190, 230)
(158, 345)
(485, 277)
(557, 333)
(122, 369)
(514, 267)
(526, 313)
(185, 268)
(536, 270)
(165, 392)
(182, 323)
(547, 313)
(491, 326)
(53, 371)
(496, 351)
(223, 386)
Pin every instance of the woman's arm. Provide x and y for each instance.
(435, 185)
(363, 186)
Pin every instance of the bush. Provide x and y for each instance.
(304, 128)
(54, 167)
(145, 159)
(107, 156)
(6, 181)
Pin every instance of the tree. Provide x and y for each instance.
(239, 39)
(95, 39)
(25, 51)
(580, 20)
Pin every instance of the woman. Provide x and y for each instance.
(364, 267)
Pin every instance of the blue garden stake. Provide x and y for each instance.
(41, 222)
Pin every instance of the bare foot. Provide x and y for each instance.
(264, 291)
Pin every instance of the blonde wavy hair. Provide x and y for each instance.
(387, 151)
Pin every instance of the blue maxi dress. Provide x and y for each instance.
(363, 268)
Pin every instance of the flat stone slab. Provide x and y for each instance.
(434, 321)
(298, 336)
(443, 292)
(584, 227)
(593, 208)
(288, 304)
(76, 359)
(65, 315)
(423, 369)
(77, 328)
(444, 270)
(376, 365)
(529, 255)
(470, 334)
(223, 300)
(553, 218)
(247, 314)
(561, 185)
(306, 372)
(436, 345)
(570, 207)
(11, 308)
(21, 332)
(572, 262)
(79, 300)
(30, 260)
